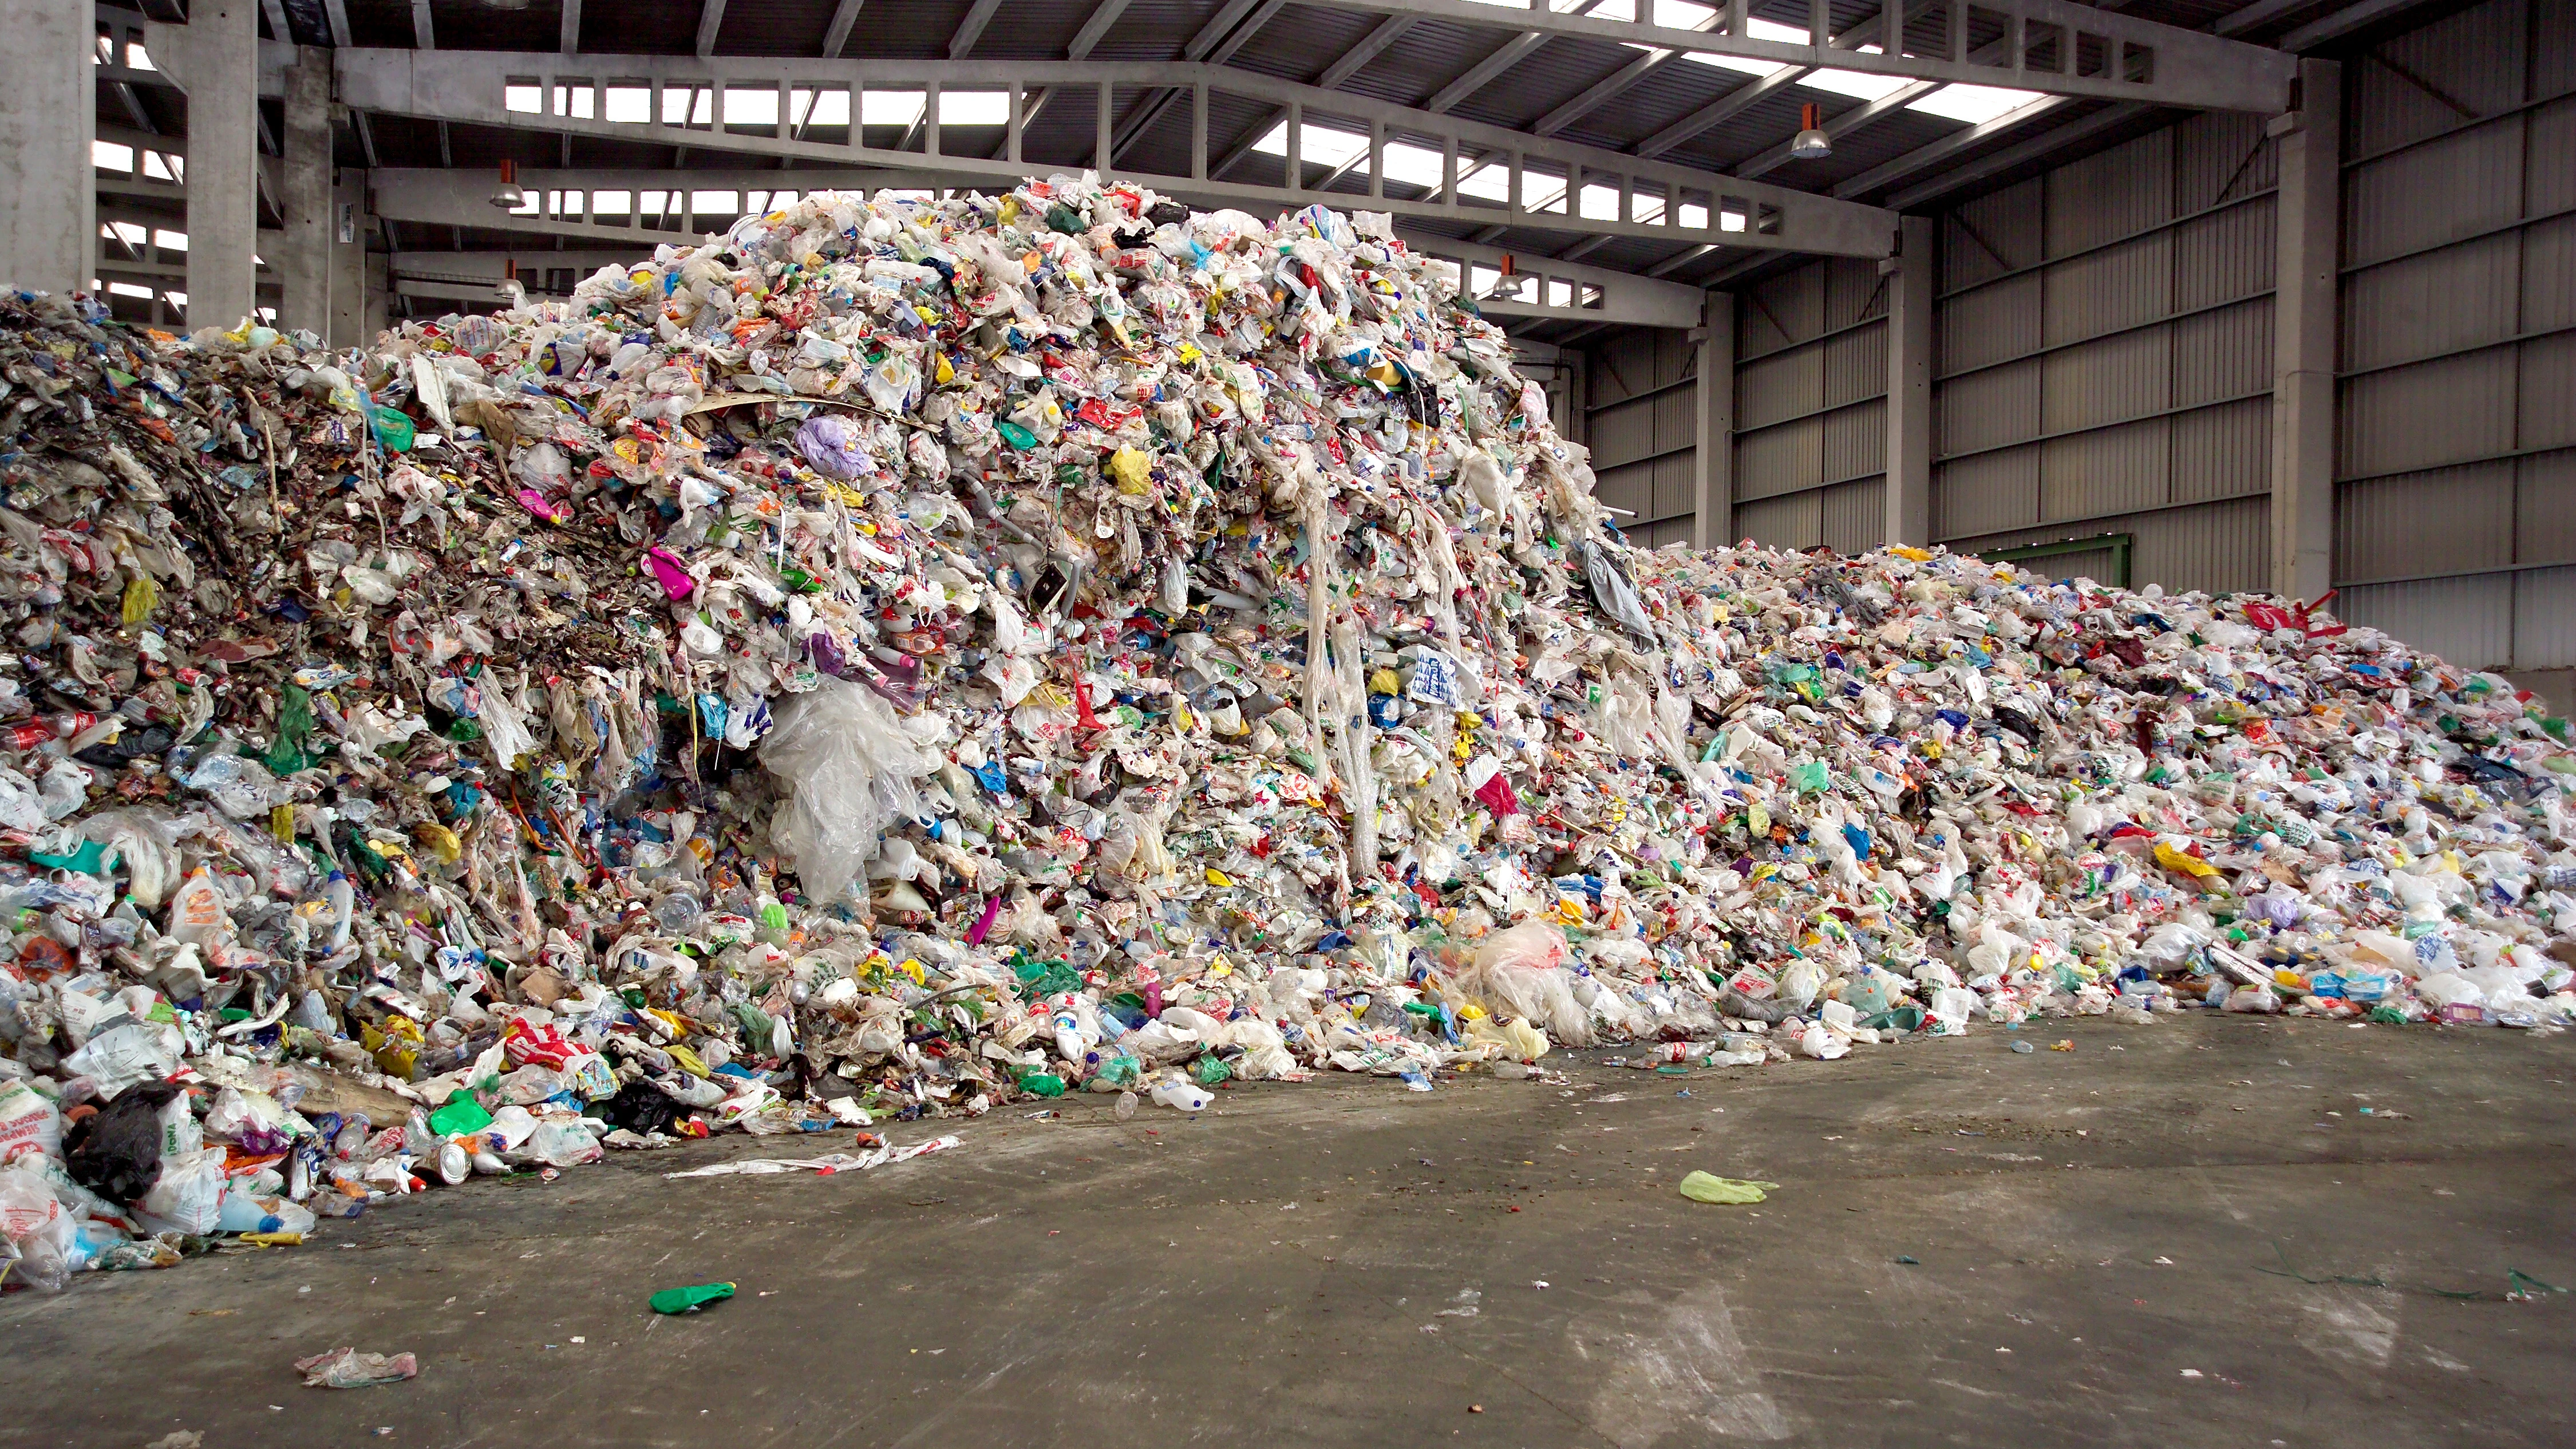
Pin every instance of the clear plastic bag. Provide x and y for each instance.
(1520, 972)
(853, 770)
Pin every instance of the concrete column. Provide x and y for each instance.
(376, 301)
(221, 74)
(304, 195)
(350, 226)
(2309, 233)
(48, 201)
(1713, 415)
(1911, 278)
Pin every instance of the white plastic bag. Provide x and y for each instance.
(189, 1194)
(854, 771)
(1520, 972)
(29, 1122)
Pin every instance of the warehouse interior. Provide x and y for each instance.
(2276, 296)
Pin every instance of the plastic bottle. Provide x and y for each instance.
(343, 898)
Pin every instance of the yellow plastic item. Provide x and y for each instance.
(2184, 861)
(1216, 877)
(1519, 1040)
(1131, 468)
(1729, 1191)
(142, 595)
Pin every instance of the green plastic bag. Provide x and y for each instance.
(1901, 1018)
(1809, 778)
(1042, 1084)
(1708, 1187)
(689, 1299)
(392, 428)
(461, 1114)
(89, 858)
(1210, 1070)
(286, 754)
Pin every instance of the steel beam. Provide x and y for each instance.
(2011, 156)
(2185, 68)
(1103, 15)
(837, 34)
(458, 87)
(2259, 14)
(2344, 22)
(1921, 157)
(1837, 127)
(971, 29)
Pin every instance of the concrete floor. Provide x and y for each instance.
(2175, 1236)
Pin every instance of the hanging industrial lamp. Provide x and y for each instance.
(1812, 143)
(509, 197)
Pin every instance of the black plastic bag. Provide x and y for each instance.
(117, 1153)
(639, 1106)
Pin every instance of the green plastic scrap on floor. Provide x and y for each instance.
(1709, 1187)
(690, 1299)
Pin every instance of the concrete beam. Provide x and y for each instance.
(2307, 237)
(48, 209)
(449, 86)
(443, 197)
(1596, 293)
(2184, 68)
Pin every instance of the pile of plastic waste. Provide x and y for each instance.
(908, 656)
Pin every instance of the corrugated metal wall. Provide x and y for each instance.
(2455, 523)
(1640, 429)
(1811, 407)
(2104, 357)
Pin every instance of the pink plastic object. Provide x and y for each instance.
(673, 574)
(984, 922)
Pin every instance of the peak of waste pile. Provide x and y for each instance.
(907, 656)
